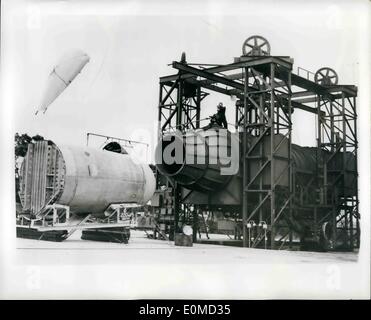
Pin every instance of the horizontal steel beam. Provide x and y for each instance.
(207, 75)
(296, 80)
(350, 90)
(219, 79)
(304, 107)
(211, 87)
(243, 62)
(310, 86)
(315, 99)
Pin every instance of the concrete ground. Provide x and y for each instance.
(141, 250)
(147, 269)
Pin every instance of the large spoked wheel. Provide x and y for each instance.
(326, 77)
(256, 46)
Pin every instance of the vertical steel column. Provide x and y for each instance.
(179, 105)
(319, 148)
(260, 120)
(159, 126)
(347, 210)
(236, 118)
(356, 201)
(264, 117)
(272, 155)
(160, 111)
(245, 234)
(334, 147)
(290, 169)
(178, 125)
(198, 107)
(197, 125)
(194, 224)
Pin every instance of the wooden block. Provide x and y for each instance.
(183, 240)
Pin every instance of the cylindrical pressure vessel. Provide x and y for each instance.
(202, 160)
(197, 160)
(86, 179)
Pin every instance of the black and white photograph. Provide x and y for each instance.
(205, 150)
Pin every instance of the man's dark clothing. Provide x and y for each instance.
(218, 119)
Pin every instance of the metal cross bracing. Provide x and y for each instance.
(179, 109)
(179, 105)
(268, 92)
(266, 139)
(174, 114)
(330, 198)
(337, 136)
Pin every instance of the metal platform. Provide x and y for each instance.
(31, 233)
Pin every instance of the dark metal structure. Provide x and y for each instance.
(268, 92)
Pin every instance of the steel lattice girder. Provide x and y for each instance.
(238, 88)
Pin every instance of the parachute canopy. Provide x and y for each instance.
(62, 75)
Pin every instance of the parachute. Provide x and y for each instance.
(62, 75)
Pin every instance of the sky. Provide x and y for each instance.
(131, 43)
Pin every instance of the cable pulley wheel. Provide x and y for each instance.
(326, 77)
(256, 46)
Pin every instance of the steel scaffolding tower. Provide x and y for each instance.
(268, 92)
(337, 134)
(179, 109)
(267, 115)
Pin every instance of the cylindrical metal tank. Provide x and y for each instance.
(197, 158)
(202, 160)
(86, 179)
(304, 158)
